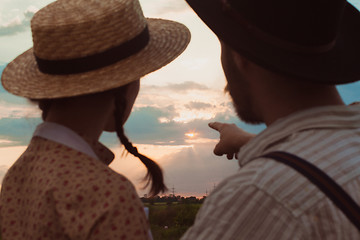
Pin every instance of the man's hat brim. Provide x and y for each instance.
(338, 66)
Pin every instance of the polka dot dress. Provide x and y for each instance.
(55, 192)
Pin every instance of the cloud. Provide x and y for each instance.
(189, 100)
(180, 97)
(13, 107)
(18, 23)
(144, 127)
(191, 170)
(198, 105)
(186, 86)
(153, 120)
(155, 8)
(7, 100)
(149, 123)
(197, 169)
(176, 87)
(17, 131)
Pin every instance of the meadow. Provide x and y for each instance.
(169, 221)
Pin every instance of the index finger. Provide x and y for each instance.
(216, 125)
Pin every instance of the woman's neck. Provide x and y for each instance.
(85, 115)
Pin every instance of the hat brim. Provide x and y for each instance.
(168, 40)
(337, 66)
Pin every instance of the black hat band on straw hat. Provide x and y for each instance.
(96, 61)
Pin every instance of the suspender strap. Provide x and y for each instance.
(326, 184)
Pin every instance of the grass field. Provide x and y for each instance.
(170, 221)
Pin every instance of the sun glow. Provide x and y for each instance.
(190, 134)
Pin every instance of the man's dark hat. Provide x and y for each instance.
(318, 40)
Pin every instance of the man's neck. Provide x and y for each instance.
(285, 102)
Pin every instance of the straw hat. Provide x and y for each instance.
(315, 40)
(89, 46)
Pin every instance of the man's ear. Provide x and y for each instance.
(241, 62)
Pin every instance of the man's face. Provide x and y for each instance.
(238, 87)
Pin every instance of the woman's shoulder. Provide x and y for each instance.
(78, 171)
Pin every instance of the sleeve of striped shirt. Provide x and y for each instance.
(243, 212)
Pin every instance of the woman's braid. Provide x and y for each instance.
(154, 174)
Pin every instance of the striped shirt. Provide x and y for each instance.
(268, 200)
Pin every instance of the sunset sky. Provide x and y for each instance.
(170, 116)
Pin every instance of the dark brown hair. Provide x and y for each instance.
(154, 174)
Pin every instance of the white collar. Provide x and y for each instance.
(63, 135)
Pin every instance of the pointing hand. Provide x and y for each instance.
(232, 139)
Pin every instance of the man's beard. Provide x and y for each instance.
(246, 112)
